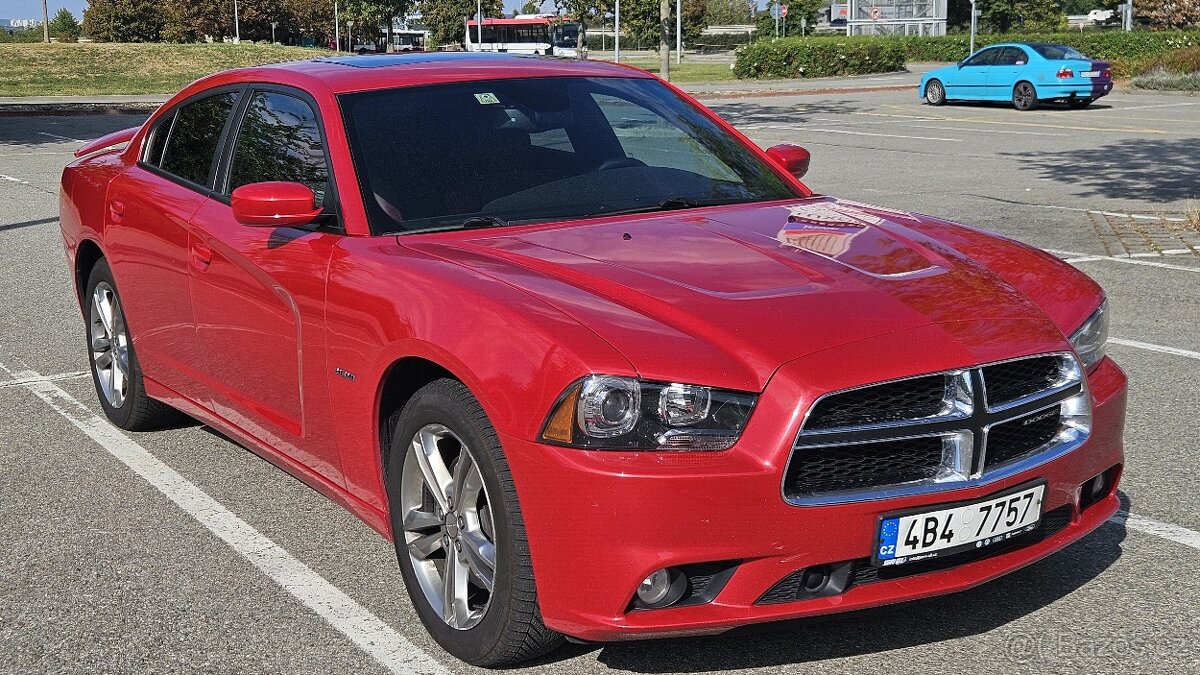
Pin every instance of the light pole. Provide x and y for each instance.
(350, 35)
(974, 19)
(617, 31)
(678, 31)
(273, 25)
(337, 29)
(479, 26)
(237, 27)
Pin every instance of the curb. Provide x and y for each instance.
(759, 93)
(68, 109)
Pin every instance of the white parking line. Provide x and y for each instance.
(61, 138)
(1162, 349)
(1175, 533)
(379, 640)
(43, 378)
(1128, 259)
(13, 180)
(824, 130)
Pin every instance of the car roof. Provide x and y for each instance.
(350, 73)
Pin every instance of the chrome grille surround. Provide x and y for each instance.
(1055, 380)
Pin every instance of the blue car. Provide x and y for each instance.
(1025, 73)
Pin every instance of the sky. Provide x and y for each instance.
(32, 9)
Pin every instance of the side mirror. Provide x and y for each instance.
(274, 204)
(791, 158)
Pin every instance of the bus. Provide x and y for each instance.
(524, 34)
(515, 36)
(406, 40)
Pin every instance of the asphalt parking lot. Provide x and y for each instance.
(178, 551)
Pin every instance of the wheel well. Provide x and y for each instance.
(403, 379)
(86, 257)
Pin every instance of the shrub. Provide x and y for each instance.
(1181, 61)
(797, 57)
(1168, 81)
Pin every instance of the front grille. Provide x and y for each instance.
(1013, 440)
(935, 431)
(914, 398)
(850, 467)
(1012, 380)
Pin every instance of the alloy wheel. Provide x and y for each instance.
(109, 344)
(1024, 96)
(934, 93)
(449, 533)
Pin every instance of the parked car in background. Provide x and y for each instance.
(599, 366)
(1100, 15)
(1027, 74)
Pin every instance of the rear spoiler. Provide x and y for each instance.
(111, 140)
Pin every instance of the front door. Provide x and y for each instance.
(258, 293)
(970, 82)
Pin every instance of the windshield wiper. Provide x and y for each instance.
(673, 204)
(477, 222)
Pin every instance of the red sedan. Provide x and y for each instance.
(597, 365)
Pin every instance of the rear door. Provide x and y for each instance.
(1011, 66)
(259, 292)
(970, 81)
(147, 241)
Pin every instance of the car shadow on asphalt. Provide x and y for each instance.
(1005, 105)
(949, 617)
(1140, 169)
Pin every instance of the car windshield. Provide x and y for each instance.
(498, 152)
(1058, 53)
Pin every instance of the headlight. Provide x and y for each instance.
(1091, 338)
(610, 412)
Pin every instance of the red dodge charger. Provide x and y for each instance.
(598, 366)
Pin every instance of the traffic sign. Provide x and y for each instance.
(783, 10)
(876, 13)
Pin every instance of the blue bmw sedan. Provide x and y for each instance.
(1025, 73)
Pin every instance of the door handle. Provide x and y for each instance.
(201, 255)
(116, 211)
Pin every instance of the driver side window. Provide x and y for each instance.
(984, 58)
(279, 140)
(647, 137)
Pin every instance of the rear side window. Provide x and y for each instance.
(279, 139)
(193, 137)
(1011, 56)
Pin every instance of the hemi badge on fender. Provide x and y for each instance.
(344, 373)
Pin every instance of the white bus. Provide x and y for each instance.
(515, 36)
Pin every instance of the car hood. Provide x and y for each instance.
(730, 294)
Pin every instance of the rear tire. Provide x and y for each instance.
(935, 93)
(116, 373)
(443, 437)
(1024, 97)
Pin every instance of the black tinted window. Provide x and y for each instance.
(158, 140)
(984, 58)
(279, 140)
(194, 137)
(1058, 52)
(540, 149)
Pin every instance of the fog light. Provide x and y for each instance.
(654, 588)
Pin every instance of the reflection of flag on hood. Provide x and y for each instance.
(824, 227)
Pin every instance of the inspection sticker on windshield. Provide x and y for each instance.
(486, 98)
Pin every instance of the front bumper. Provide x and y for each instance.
(600, 522)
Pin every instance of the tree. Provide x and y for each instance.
(123, 20)
(446, 19)
(641, 21)
(1168, 13)
(65, 26)
(729, 12)
(1002, 16)
(797, 10)
(531, 7)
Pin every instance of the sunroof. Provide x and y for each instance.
(386, 60)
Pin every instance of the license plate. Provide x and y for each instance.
(1090, 73)
(937, 532)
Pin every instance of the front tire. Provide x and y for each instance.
(459, 534)
(1024, 97)
(935, 93)
(115, 369)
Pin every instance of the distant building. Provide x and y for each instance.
(893, 17)
(19, 24)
